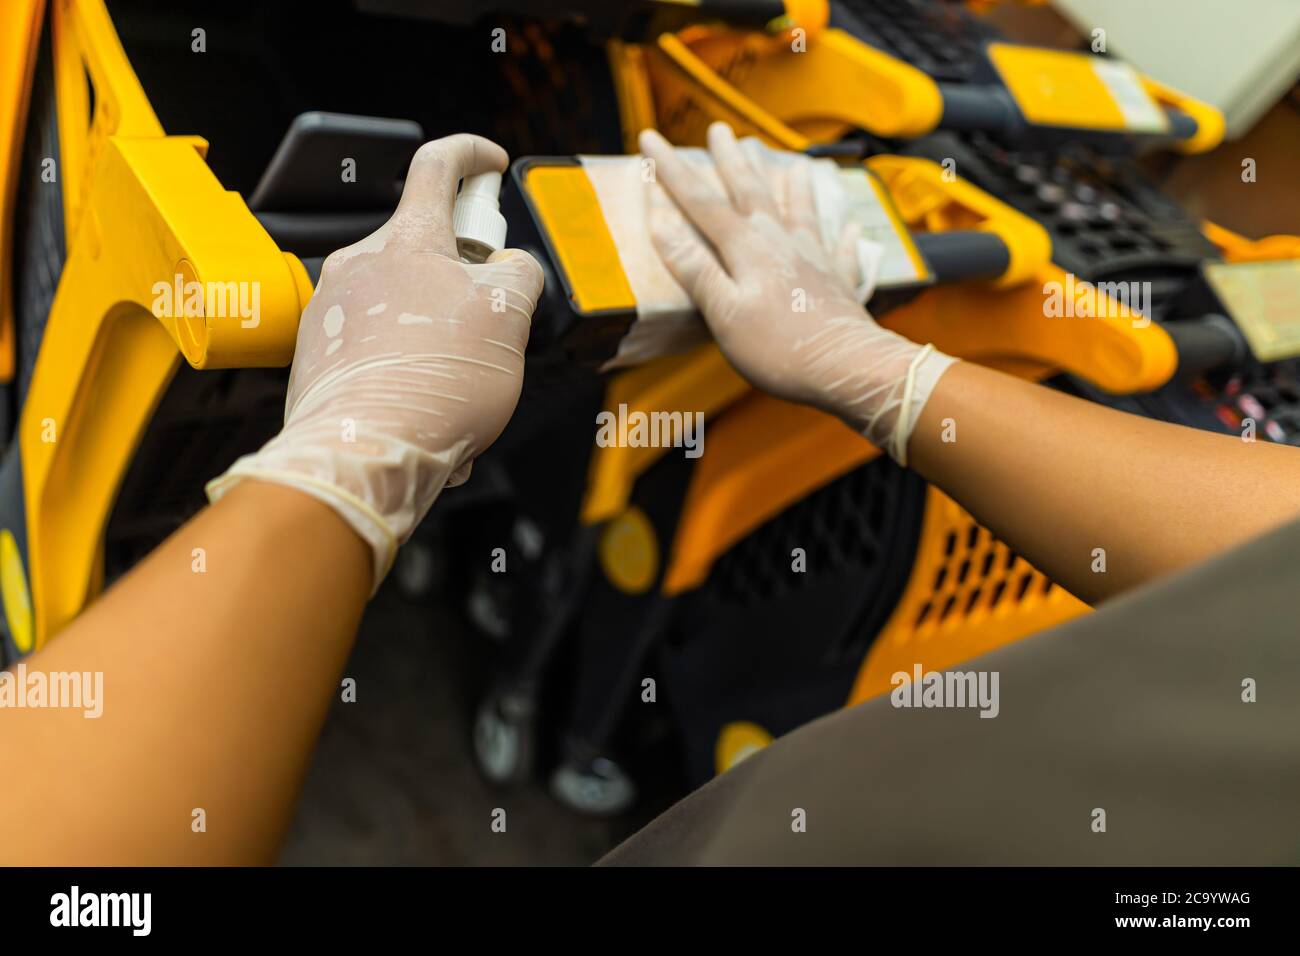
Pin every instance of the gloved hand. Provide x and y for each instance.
(776, 299)
(409, 362)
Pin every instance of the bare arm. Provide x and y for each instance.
(1054, 476)
(1057, 477)
(408, 364)
(215, 686)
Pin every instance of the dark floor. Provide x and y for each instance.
(393, 781)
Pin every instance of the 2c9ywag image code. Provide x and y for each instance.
(1194, 897)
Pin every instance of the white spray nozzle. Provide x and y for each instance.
(476, 219)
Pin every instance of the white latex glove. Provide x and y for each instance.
(776, 300)
(409, 362)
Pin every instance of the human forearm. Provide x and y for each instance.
(1057, 478)
(219, 653)
(1067, 483)
(241, 644)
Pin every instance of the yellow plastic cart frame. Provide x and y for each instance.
(824, 83)
(141, 207)
(967, 593)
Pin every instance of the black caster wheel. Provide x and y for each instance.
(488, 606)
(416, 571)
(505, 738)
(597, 787)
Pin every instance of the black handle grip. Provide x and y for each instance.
(954, 256)
(1206, 342)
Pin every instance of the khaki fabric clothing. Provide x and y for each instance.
(1136, 709)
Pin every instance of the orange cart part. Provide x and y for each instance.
(763, 454)
(1237, 248)
(699, 381)
(931, 200)
(1210, 124)
(968, 594)
(761, 85)
(636, 109)
(1116, 352)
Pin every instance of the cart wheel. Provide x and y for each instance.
(505, 738)
(416, 571)
(488, 607)
(597, 787)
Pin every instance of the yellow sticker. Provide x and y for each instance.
(1263, 298)
(569, 212)
(1076, 90)
(629, 551)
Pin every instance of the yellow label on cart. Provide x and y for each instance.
(1057, 88)
(1263, 298)
(569, 212)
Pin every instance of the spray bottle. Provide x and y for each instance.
(476, 219)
